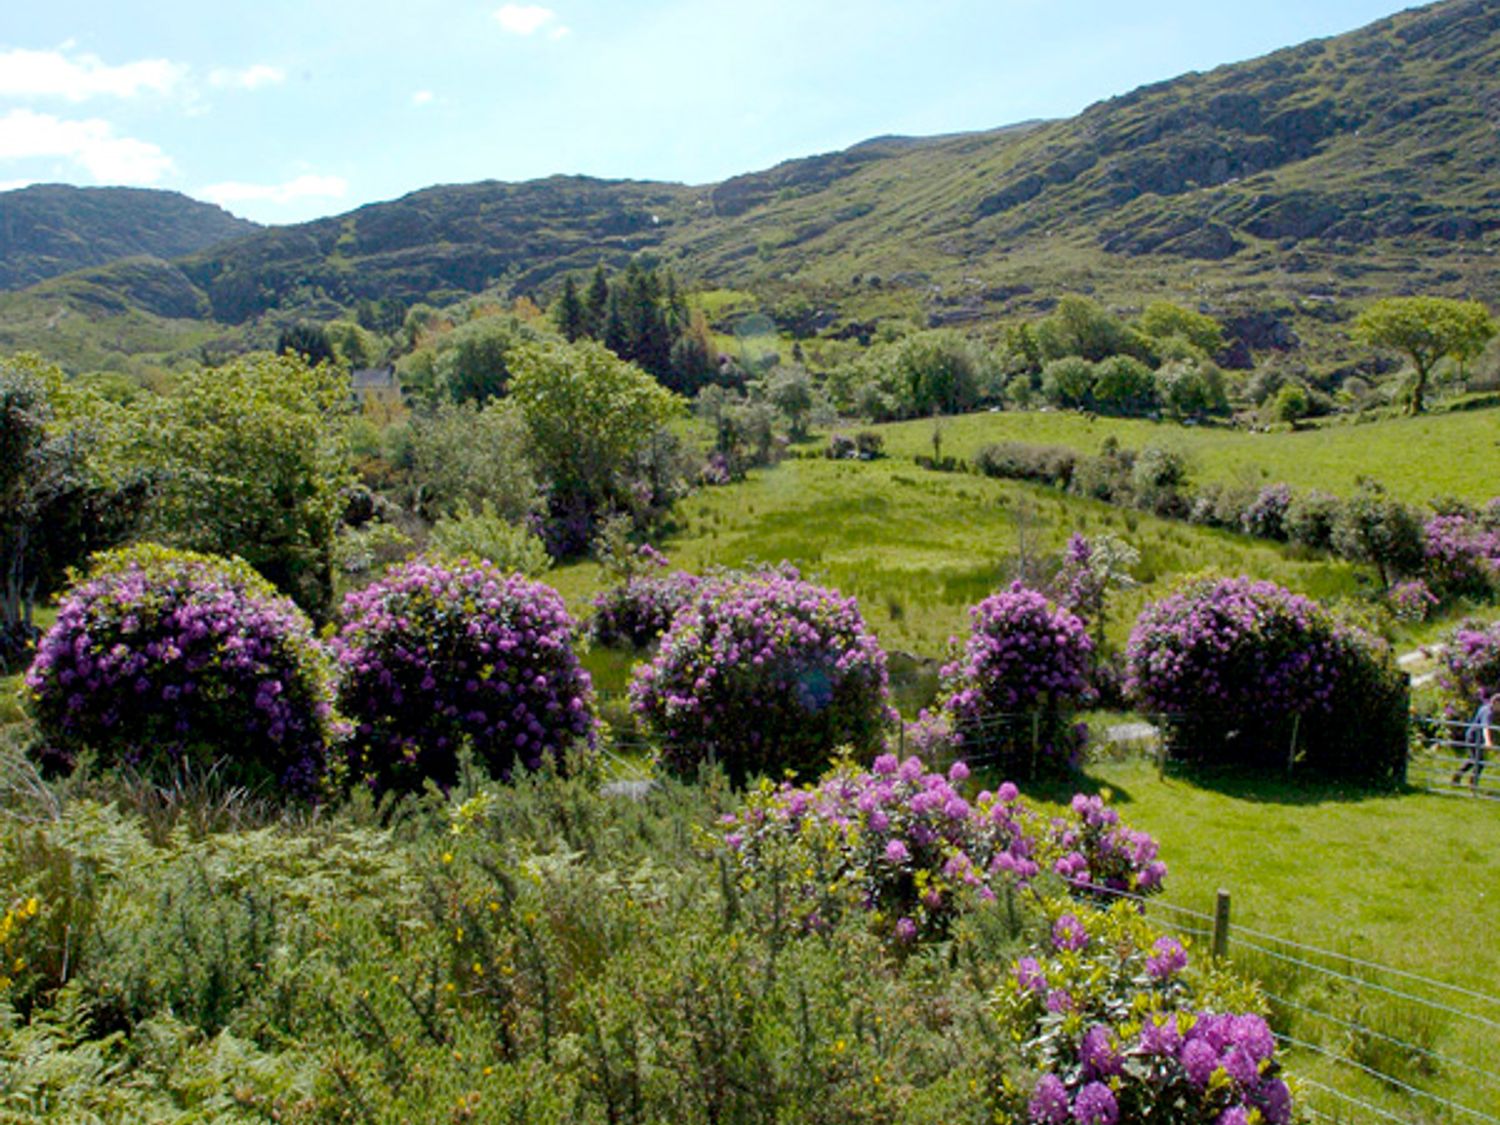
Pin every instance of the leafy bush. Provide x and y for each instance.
(1014, 460)
(437, 656)
(162, 659)
(1124, 385)
(486, 534)
(1374, 527)
(1310, 519)
(1011, 695)
(1115, 1029)
(1411, 601)
(763, 673)
(1241, 670)
(1069, 382)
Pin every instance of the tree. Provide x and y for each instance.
(790, 391)
(595, 302)
(473, 361)
(1374, 527)
(462, 455)
(1123, 385)
(939, 371)
(569, 314)
(254, 457)
(1162, 319)
(55, 507)
(589, 416)
(1080, 327)
(310, 341)
(1069, 382)
(1426, 329)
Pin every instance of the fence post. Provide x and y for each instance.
(1221, 926)
(1291, 751)
(1036, 738)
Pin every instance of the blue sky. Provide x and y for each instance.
(284, 110)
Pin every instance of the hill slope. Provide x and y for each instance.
(51, 229)
(1272, 192)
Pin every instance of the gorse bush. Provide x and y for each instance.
(1010, 696)
(1247, 672)
(763, 673)
(439, 656)
(162, 660)
(1116, 1030)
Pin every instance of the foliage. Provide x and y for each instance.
(254, 457)
(763, 673)
(164, 661)
(1310, 519)
(475, 362)
(55, 505)
(1228, 664)
(1123, 385)
(485, 534)
(438, 657)
(1009, 697)
(1068, 381)
(308, 342)
(588, 416)
(1267, 514)
(1116, 1030)
(640, 609)
(1426, 329)
(1412, 601)
(1461, 555)
(1081, 327)
(1191, 389)
(1374, 527)
(790, 391)
(1161, 320)
(463, 454)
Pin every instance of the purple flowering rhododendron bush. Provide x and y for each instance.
(639, 610)
(1470, 669)
(1010, 697)
(1241, 671)
(1461, 552)
(1116, 1027)
(763, 673)
(442, 655)
(161, 659)
(908, 847)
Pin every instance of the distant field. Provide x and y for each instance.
(918, 548)
(1455, 454)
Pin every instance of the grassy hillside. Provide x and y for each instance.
(51, 229)
(1417, 459)
(1277, 193)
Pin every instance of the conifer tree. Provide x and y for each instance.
(596, 302)
(569, 314)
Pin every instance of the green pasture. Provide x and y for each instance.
(1408, 880)
(1417, 459)
(917, 548)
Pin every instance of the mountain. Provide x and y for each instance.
(52, 229)
(1274, 192)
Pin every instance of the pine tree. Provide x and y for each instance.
(595, 303)
(569, 314)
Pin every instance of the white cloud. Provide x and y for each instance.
(306, 186)
(90, 143)
(559, 33)
(250, 78)
(422, 97)
(52, 74)
(524, 19)
(15, 185)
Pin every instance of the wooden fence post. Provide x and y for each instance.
(1221, 925)
(1291, 751)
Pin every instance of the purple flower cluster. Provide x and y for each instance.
(1265, 516)
(1114, 1028)
(1080, 586)
(1235, 647)
(895, 840)
(442, 655)
(1461, 553)
(1411, 601)
(1099, 855)
(639, 610)
(1470, 668)
(1011, 693)
(763, 673)
(908, 844)
(162, 656)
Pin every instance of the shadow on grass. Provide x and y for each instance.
(1243, 784)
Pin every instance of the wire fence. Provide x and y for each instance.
(1448, 756)
(1363, 1041)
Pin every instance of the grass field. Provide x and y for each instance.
(1411, 881)
(917, 548)
(1455, 454)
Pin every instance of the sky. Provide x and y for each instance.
(285, 110)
